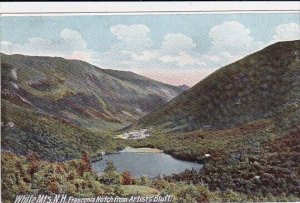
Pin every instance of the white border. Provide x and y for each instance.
(62, 8)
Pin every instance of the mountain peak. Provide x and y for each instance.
(183, 87)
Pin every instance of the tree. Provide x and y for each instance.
(85, 164)
(53, 185)
(110, 167)
(127, 179)
(34, 163)
(110, 176)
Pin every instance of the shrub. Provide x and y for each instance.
(127, 179)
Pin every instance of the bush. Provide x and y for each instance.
(110, 176)
(127, 179)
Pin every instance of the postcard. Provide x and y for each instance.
(150, 104)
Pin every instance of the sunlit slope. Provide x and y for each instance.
(252, 88)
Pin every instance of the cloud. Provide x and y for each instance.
(135, 43)
(182, 59)
(176, 60)
(7, 47)
(231, 41)
(177, 49)
(132, 37)
(134, 51)
(286, 32)
(70, 44)
(72, 39)
(34, 46)
(144, 56)
(213, 58)
(233, 37)
(175, 43)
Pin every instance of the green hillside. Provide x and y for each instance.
(250, 89)
(59, 107)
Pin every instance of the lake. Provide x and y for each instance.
(145, 163)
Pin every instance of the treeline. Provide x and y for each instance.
(31, 175)
(260, 158)
(272, 170)
(54, 139)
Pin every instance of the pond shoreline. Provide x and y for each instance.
(141, 150)
(129, 149)
(145, 162)
(98, 157)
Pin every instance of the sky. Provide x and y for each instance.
(173, 48)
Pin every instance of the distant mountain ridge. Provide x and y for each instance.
(183, 87)
(71, 88)
(60, 107)
(249, 89)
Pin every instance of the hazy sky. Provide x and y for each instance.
(176, 49)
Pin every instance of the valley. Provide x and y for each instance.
(239, 127)
(57, 103)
